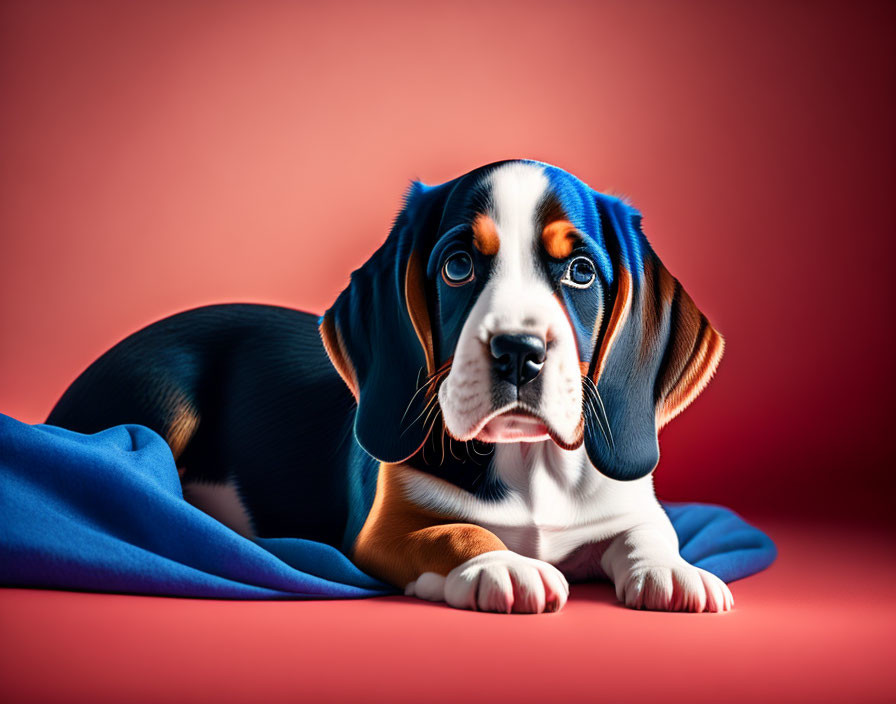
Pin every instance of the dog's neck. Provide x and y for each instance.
(522, 465)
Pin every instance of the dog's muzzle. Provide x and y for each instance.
(517, 358)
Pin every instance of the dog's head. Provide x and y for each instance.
(519, 305)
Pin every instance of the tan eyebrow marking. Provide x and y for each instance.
(559, 238)
(485, 235)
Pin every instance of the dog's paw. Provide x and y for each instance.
(679, 587)
(500, 581)
(506, 582)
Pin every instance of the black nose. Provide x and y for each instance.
(517, 358)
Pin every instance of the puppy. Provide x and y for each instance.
(475, 418)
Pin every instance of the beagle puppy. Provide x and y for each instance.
(475, 418)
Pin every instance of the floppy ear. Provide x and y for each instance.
(378, 333)
(654, 355)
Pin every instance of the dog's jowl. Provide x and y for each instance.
(475, 418)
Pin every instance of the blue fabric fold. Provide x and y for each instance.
(717, 540)
(105, 512)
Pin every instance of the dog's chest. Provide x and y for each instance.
(551, 524)
(559, 507)
(555, 506)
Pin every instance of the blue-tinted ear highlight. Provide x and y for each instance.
(581, 209)
(379, 337)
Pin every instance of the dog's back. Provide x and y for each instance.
(247, 399)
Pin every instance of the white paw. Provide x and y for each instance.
(500, 580)
(680, 587)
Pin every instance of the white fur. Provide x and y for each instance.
(559, 510)
(500, 580)
(515, 300)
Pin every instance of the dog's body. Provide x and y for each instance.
(506, 360)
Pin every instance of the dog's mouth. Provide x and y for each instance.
(514, 426)
(520, 423)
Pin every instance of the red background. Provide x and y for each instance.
(161, 155)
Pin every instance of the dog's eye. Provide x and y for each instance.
(580, 273)
(458, 269)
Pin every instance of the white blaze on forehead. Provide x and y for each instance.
(516, 190)
(517, 298)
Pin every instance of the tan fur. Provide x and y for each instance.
(658, 294)
(181, 428)
(559, 238)
(415, 299)
(401, 540)
(695, 346)
(485, 235)
(617, 319)
(335, 348)
(698, 370)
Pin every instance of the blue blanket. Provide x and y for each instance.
(105, 512)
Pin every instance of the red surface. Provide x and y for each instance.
(817, 627)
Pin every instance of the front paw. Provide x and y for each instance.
(679, 587)
(500, 581)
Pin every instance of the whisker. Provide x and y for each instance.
(600, 417)
(416, 393)
(442, 461)
(603, 409)
(437, 410)
(430, 383)
(426, 407)
(451, 449)
(481, 454)
(441, 371)
(429, 435)
(600, 426)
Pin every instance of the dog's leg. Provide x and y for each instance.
(649, 573)
(432, 557)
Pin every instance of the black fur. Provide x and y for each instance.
(274, 417)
